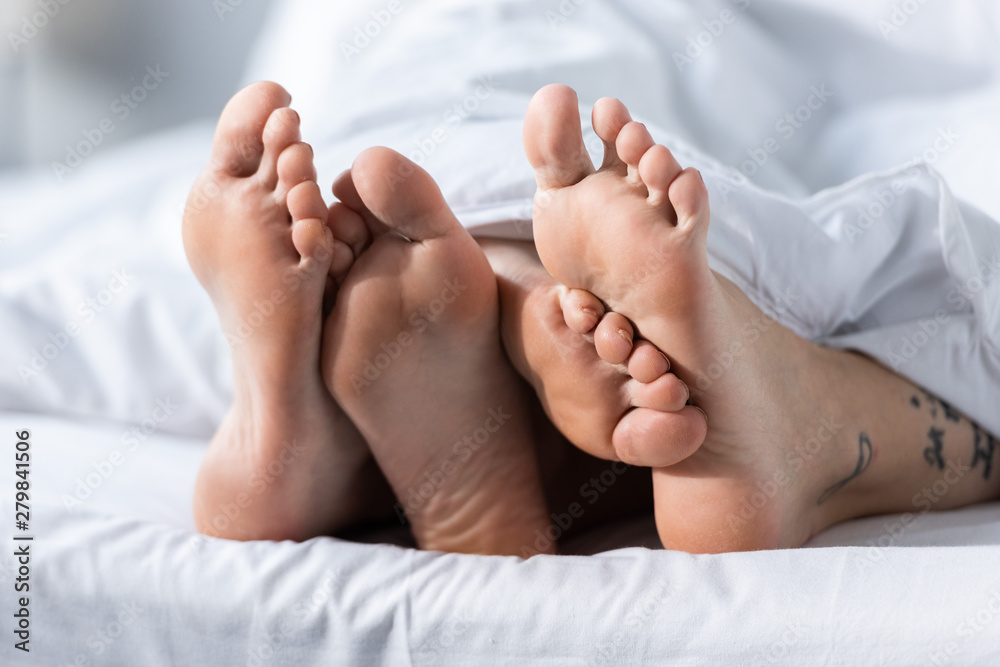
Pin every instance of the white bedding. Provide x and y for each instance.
(867, 592)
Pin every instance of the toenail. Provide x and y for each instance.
(624, 334)
(702, 412)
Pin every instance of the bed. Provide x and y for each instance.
(115, 363)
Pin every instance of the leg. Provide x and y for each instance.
(634, 234)
(412, 351)
(286, 463)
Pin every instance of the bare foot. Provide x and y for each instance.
(634, 234)
(285, 463)
(412, 351)
(597, 384)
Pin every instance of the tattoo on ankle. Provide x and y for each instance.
(950, 413)
(934, 453)
(984, 445)
(864, 459)
(982, 453)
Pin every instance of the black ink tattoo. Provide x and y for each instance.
(933, 403)
(933, 454)
(864, 459)
(914, 401)
(981, 453)
(949, 412)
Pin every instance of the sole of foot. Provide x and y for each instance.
(412, 351)
(286, 463)
(634, 233)
(607, 392)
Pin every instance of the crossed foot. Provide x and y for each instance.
(634, 233)
(371, 360)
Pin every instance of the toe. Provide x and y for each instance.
(632, 143)
(314, 242)
(609, 117)
(613, 338)
(351, 238)
(668, 393)
(295, 166)
(553, 138)
(306, 201)
(581, 310)
(345, 190)
(402, 195)
(310, 235)
(658, 169)
(656, 439)
(238, 144)
(689, 197)
(647, 362)
(280, 133)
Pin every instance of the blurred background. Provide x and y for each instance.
(65, 65)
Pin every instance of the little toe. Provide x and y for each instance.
(238, 144)
(613, 338)
(581, 310)
(553, 138)
(295, 166)
(689, 197)
(668, 393)
(655, 439)
(647, 362)
(609, 117)
(658, 168)
(280, 133)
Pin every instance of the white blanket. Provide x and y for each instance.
(888, 264)
(147, 343)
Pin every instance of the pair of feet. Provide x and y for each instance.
(371, 361)
(368, 355)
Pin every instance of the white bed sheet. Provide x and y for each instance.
(867, 593)
(126, 554)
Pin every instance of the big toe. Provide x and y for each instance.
(239, 137)
(402, 195)
(655, 439)
(553, 138)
